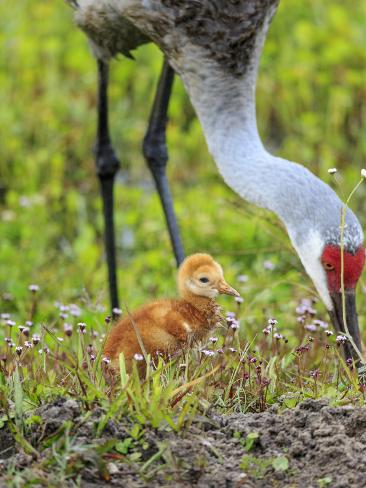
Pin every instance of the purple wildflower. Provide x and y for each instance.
(68, 329)
(36, 339)
(341, 339)
(82, 327)
(310, 327)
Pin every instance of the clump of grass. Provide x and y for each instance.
(229, 373)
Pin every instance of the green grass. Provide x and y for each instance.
(311, 105)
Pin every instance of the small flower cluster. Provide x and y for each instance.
(271, 327)
(300, 350)
(315, 374)
(305, 308)
(341, 339)
(231, 320)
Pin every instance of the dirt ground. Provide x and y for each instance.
(313, 445)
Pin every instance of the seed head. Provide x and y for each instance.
(19, 350)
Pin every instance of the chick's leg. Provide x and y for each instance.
(156, 155)
(107, 166)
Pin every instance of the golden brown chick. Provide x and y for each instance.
(167, 326)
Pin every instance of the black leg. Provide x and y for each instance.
(107, 166)
(156, 155)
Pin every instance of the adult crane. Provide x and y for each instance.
(214, 46)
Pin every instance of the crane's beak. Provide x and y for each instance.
(336, 316)
(226, 289)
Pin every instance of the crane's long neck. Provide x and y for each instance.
(225, 106)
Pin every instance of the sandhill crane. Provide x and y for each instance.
(214, 46)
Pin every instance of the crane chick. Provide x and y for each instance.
(167, 326)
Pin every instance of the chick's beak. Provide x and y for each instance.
(336, 316)
(226, 289)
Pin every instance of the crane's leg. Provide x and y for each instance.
(107, 166)
(156, 155)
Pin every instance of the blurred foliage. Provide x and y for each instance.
(311, 104)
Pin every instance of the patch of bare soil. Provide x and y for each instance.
(313, 445)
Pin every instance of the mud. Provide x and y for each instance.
(313, 445)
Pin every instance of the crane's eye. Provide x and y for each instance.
(204, 279)
(328, 266)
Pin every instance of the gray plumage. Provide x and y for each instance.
(214, 45)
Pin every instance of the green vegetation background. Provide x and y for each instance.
(311, 109)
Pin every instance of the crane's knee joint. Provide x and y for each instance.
(155, 152)
(106, 160)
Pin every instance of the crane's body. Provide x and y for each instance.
(215, 46)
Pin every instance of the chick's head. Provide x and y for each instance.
(201, 275)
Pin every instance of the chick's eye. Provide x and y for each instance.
(328, 266)
(204, 279)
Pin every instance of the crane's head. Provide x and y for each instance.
(322, 257)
